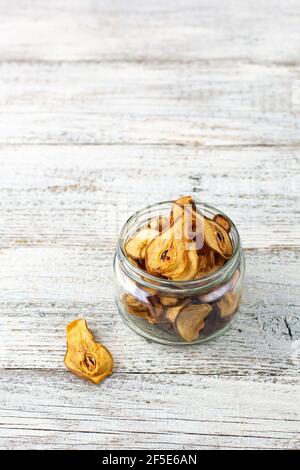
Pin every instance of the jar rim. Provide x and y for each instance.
(155, 282)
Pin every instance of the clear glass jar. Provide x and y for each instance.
(220, 291)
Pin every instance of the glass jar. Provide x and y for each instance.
(143, 300)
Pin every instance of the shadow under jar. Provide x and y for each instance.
(166, 311)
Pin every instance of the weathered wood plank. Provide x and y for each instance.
(143, 411)
(184, 30)
(44, 288)
(82, 195)
(215, 104)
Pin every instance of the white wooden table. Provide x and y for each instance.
(107, 105)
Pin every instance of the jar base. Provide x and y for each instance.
(153, 334)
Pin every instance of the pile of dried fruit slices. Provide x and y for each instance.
(186, 246)
(183, 247)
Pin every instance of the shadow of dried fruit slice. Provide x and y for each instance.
(229, 304)
(223, 221)
(190, 321)
(217, 238)
(85, 357)
(135, 247)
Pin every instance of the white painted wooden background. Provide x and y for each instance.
(107, 105)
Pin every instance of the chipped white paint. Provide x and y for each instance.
(171, 97)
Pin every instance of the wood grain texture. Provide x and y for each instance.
(82, 195)
(106, 107)
(146, 411)
(181, 30)
(195, 104)
(43, 289)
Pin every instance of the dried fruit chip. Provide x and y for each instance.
(191, 269)
(190, 321)
(85, 357)
(217, 238)
(168, 301)
(229, 304)
(159, 223)
(134, 303)
(136, 245)
(223, 221)
(173, 312)
(165, 254)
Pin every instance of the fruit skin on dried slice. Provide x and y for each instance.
(217, 238)
(166, 254)
(135, 247)
(85, 357)
(190, 321)
(223, 221)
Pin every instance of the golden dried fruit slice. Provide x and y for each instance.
(217, 238)
(159, 223)
(190, 321)
(179, 207)
(168, 301)
(191, 269)
(229, 304)
(85, 357)
(173, 312)
(134, 303)
(166, 254)
(136, 245)
(223, 221)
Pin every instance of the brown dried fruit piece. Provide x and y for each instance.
(137, 308)
(179, 207)
(159, 223)
(166, 254)
(229, 304)
(192, 267)
(135, 247)
(223, 221)
(168, 301)
(85, 357)
(190, 320)
(217, 238)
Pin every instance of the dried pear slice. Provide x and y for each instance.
(173, 312)
(223, 221)
(165, 254)
(190, 321)
(217, 238)
(229, 304)
(159, 223)
(85, 357)
(135, 246)
(168, 301)
(134, 303)
(191, 269)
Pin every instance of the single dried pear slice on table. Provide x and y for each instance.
(190, 321)
(85, 357)
(135, 247)
(217, 238)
